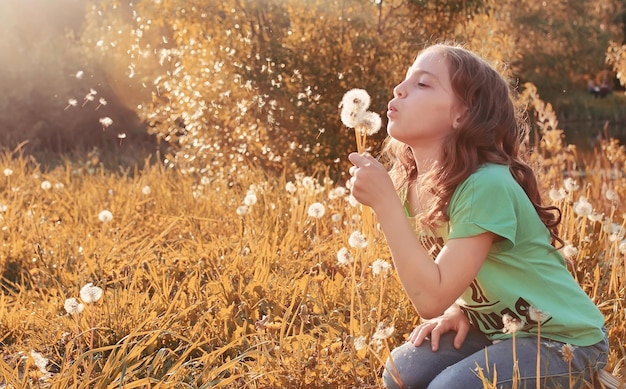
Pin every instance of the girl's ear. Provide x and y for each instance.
(459, 117)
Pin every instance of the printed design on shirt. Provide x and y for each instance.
(486, 314)
(431, 244)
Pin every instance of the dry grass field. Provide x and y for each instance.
(157, 277)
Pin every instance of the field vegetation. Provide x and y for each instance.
(174, 209)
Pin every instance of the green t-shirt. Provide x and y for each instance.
(523, 274)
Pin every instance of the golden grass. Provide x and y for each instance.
(197, 295)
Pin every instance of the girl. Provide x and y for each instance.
(474, 206)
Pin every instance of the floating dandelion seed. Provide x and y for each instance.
(380, 266)
(101, 102)
(73, 307)
(344, 257)
(105, 216)
(71, 103)
(316, 210)
(511, 325)
(357, 240)
(90, 293)
(146, 190)
(8, 172)
(79, 74)
(46, 185)
(582, 207)
(570, 251)
(106, 122)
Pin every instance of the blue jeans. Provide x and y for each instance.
(420, 367)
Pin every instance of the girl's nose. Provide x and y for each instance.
(398, 92)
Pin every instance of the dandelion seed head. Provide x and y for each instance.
(536, 314)
(336, 217)
(46, 185)
(380, 266)
(353, 105)
(596, 217)
(316, 210)
(8, 172)
(40, 361)
(290, 187)
(611, 195)
(357, 240)
(511, 325)
(557, 195)
(73, 307)
(146, 190)
(567, 350)
(622, 247)
(90, 293)
(570, 252)
(250, 198)
(370, 123)
(344, 257)
(359, 343)
(570, 184)
(105, 216)
(582, 207)
(383, 331)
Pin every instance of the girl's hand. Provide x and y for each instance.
(371, 184)
(453, 319)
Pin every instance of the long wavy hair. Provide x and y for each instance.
(492, 130)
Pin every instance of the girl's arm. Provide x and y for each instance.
(432, 286)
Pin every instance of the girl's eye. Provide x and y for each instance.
(421, 84)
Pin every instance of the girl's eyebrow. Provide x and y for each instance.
(420, 72)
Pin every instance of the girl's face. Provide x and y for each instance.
(424, 109)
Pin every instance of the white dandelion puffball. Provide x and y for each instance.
(146, 190)
(370, 123)
(46, 185)
(511, 325)
(316, 210)
(570, 251)
(360, 342)
(105, 216)
(90, 293)
(250, 198)
(353, 106)
(73, 307)
(357, 240)
(582, 207)
(380, 266)
(344, 257)
(7, 172)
